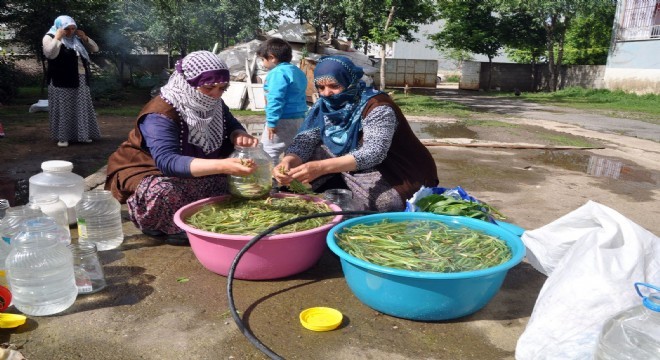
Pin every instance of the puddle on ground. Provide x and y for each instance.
(599, 166)
(444, 130)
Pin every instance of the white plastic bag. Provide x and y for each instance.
(593, 256)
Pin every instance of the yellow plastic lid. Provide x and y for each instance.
(321, 318)
(11, 320)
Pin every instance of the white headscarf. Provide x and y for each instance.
(72, 42)
(201, 112)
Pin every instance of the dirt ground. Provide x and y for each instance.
(146, 313)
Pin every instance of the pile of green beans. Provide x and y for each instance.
(422, 245)
(238, 216)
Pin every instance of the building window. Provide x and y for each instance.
(641, 20)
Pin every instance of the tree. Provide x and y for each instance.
(470, 25)
(382, 22)
(588, 40)
(556, 17)
(524, 40)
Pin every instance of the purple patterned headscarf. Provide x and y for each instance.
(203, 68)
(201, 112)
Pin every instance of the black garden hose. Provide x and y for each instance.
(230, 277)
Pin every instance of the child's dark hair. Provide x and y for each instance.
(277, 47)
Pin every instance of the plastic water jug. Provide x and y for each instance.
(10, 225)
(51, 205)
(99, 219)
(57, 178)
(633, 333)
(40, 272)
(260, 182)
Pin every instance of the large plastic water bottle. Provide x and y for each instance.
(99, 219)
(57, 178)
(10, 225)
(40, 272)
(634, 333)
(51, 205)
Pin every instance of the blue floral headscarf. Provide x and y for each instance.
(339, 116)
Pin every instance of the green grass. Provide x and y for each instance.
(562, 140)
(614, 103)
(422, 105)
(238, 113)
(490, 123)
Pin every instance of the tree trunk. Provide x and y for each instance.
(552, 77)
(382, 50)
(560, 49)
(490, 72)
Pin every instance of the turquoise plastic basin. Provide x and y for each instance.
(426, 296)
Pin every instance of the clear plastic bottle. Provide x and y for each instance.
(87, 267)
(40, 272)
(4, 205)
(10, 225)
(99, 219)
(634, 333)
(57, 178)
(260, 182)
(53, 206)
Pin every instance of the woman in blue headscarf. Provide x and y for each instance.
(357, 138)
(70, 108)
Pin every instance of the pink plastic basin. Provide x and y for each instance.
(272, 257)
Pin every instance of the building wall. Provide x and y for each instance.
(414, 72)
(524, 77)
(633, 62)
(634, 66)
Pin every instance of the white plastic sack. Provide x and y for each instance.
(40, 105)
(593, 257)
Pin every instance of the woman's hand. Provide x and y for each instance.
(281, 171)
(244, 139)
(234, 166)
(307, 172)
(281, 174)
(59, 34)
(81, 35)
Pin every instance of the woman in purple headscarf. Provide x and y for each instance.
(70, 108)
(177, 152)
(358, 139)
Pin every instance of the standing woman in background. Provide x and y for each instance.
(70, 108)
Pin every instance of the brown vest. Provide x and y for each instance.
(408, 164)
(130, 163)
